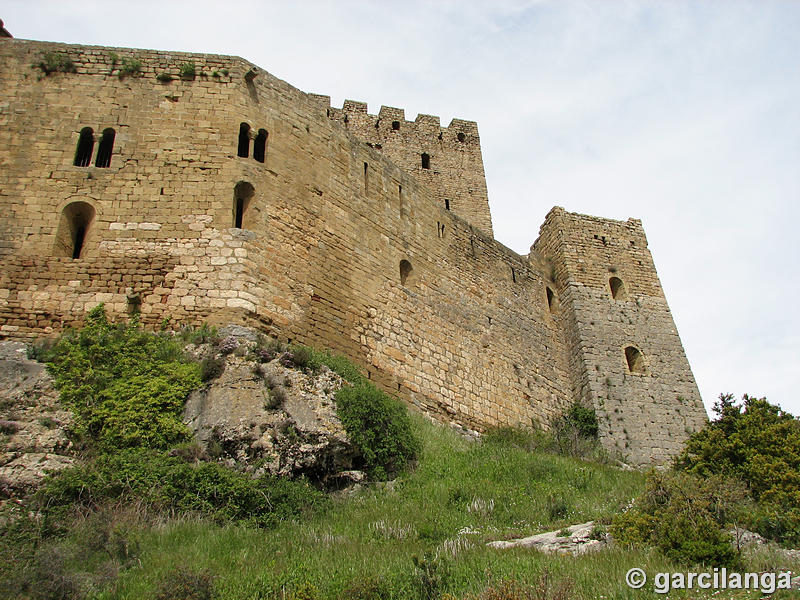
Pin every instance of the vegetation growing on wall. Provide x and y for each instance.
(56, 62)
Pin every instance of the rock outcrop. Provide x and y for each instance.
(271, 418)
(574, 540)
(33, 425)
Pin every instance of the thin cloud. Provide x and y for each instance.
(681, 113)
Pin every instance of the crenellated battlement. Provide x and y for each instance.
(447, 160)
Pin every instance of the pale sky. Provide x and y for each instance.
(685, 114)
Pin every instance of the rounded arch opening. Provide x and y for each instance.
(406, 272)
(105, 149)
(635, 360)
(73, 229)
(85, 148)
(243, 195)
(244, 140)
(260, 146)
(618, 290)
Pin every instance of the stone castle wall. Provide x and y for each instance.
(343, 242)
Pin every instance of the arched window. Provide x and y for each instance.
(242, 195)
(461, 137)
(635, 360)
(426, 160)
(260, 146)
(405, 271)
(83, 153)
(395, 125)
(105, 149)
(76, 219)
(618, 291)
(244, 140)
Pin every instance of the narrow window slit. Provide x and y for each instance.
(551, 300)
(260, 146)
(244, 140)
(242, 196)
(405, 271)
(105, 149)
(83, 153)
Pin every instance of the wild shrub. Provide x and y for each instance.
(379, 427)
(127, 387)
(53, 62)
(187, 70)
(130, 67)
(199, 335)
(276, 397)
(211, 367)
(575, 433)
(228, 345)
(759, 443)
(170, 484)
(301, 356)
(36, 564)
(430, 575)
(369, 588)
(337, 363)
(685, 517)
(183, 583)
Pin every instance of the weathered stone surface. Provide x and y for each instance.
(24, 472)
(579, 541)
(291, 429)
(35, 425)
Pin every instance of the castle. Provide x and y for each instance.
(199, 188)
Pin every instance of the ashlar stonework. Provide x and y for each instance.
(199, 188)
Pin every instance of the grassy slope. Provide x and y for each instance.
(376, 532)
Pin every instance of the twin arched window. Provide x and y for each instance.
(85, 148)
(259, 145)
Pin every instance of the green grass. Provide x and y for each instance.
(461, 495)
(494, 490)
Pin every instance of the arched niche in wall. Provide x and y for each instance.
(618, 289)
(73, 230)
(635, 360)
(407, 276)
(243, 194)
